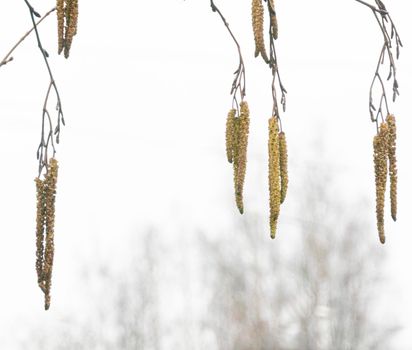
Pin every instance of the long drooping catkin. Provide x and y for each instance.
(393, 171)
(283, 164)
(257, 23)
(273, 19)
(381, 173)
(242, 134)
(50, 195)
(230, 134)
(72, 13)
(274, 175)
(40, 222)
(46, 195)
(60, 24)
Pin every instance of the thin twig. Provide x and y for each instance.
(239, 82)
(391, 37)
(54, 134)
(274, 66)
(8, 58)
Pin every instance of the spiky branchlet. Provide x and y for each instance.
(230, 133)
(257, 23)
(242, 142)
(72, 13)
(393, 172)
(46, 195)
(381, 173)
(274, 174)
(273, 19)
(60, 24)
(283, 164)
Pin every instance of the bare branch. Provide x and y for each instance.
(8, 58)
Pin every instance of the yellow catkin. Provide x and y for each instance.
(72, 13)
(50, 196)
(283, 164)
(257, 23)
(381, 173)
(273, 19)
(230, 130)
(60, 24)
(242, 142)
(40, 222)
(393, 171)
(274, 175)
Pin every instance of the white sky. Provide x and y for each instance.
(145, 95)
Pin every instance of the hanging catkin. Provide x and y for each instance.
(46, 195)
(257, 23)
(40, 222)
(273, 19)
(230, 134)
(71, 24)
(393, 172)
(381, 173)
(60, 24)
(242, 134)
(283, 164)
(274, 175)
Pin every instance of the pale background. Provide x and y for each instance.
(145, 95)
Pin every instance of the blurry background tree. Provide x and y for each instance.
(322, 294)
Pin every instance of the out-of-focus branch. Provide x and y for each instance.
(8, 58)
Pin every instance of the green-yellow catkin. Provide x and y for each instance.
(242, 132)
(381, 174)
(230, 133)
(50, 195)
(60, 24)
(273, 20)
(393, 171)
(40, 222)
(283, 164)
(274, 175)
(257, 23)
(72, 13)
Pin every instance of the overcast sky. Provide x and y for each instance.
(145, 95)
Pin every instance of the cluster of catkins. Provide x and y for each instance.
(46, 194)
(278, 172)
(237, 133)
(258, 28)
(384, 157)
(67, 13)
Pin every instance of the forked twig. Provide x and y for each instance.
(274, 66)
(239, 82)
(8, 58)
(391, 39)
(53, 134)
